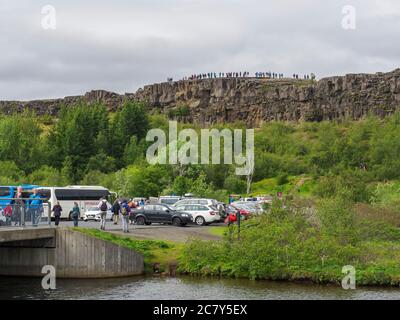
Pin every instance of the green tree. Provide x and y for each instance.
(20, 138)
(234, 184)
(47, 176)
(181, 185)
(200, 187)
(141, 181)
(130, 121)
(77, 136)
(10, 174)
(101, 162)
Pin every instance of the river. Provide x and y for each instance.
(143, 288)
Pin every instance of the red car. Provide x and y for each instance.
(232, 214)
(242, 211)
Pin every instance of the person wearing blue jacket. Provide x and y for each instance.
(125, 211)
(35, 207)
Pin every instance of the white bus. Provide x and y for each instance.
(85, 196)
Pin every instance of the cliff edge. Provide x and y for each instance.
(252, 100)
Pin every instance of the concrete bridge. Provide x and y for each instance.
(24, 252)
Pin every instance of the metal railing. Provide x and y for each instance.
(24, 212)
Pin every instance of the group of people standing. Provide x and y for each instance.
(122, 210)
(245, 74)
(269, 75)
(305, 77)
(21, 210)
(214, 75)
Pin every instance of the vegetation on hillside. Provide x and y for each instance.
(90, 146)
(295, 243)
(340, 181)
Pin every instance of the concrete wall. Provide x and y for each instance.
(75, 255)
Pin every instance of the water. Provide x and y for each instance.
(143, 288)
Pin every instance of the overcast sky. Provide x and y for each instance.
(123, 45)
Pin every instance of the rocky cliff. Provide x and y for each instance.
(248, 99)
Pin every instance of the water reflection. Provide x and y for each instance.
(143, 288)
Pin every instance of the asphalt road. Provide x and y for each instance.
(156, 231)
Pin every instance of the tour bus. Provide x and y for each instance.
(7, 192)
(85, 196)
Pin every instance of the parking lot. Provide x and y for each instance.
(158, 231)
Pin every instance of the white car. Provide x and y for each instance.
(93, 213)
(205, 202)
(168, 200)
(202, 214)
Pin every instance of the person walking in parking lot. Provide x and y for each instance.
(57, 213)
(75, 214)
(115, 210)
(103, 213)
(125, 210)
(132, 206)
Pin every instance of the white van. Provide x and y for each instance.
(86, 197)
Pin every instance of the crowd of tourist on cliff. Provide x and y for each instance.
(242, 74)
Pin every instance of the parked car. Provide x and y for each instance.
(202, 214)
(252, 207)
(265, 200)
(248, 200)
(93, 213)
(245, 211)
(160, 213)
(206, 202)
(169, 200)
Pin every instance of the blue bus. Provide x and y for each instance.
(7, 192)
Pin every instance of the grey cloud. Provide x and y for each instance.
(121, 46)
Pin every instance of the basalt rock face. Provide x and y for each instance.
(53, 106)
(251, 100)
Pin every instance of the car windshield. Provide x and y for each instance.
(243, 206)
(167, 207)
(170, 201)
(92, 209)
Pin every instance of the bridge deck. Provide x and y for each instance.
(21, 234)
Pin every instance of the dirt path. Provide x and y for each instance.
(169, 233)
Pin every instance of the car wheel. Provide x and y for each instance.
(69, 217)
(140, 221)
(176, 222)
(148, 223)
(200, 221)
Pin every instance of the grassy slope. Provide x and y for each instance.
(154, 251)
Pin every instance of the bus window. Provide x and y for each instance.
(5, 192)
(44, 193)
(80, 194)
